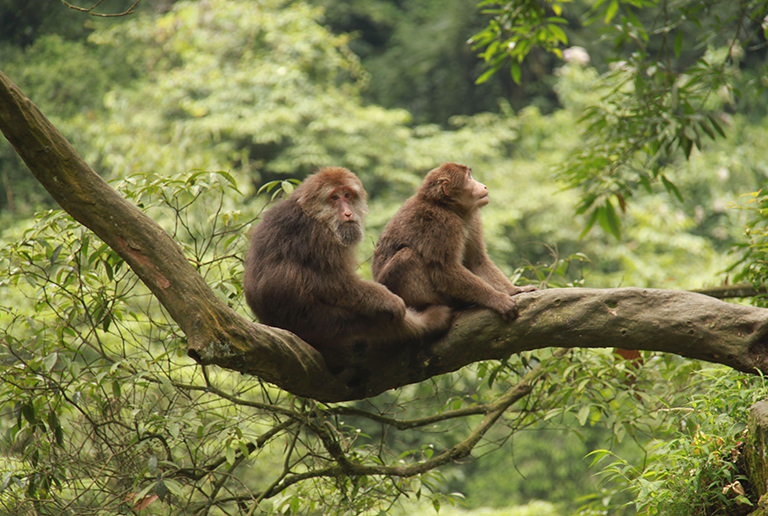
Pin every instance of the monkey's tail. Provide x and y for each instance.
(433, 320)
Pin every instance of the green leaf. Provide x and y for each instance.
(515, 70)
(28, 411)
(583, 415)
(678, 43)
(161, 490)
(686, 144)
(152, 464)
(55, 426)
(717, 127)
(287, 187)
(487, 75)
(705, 127)
(558, 34)
(609, 221)
(646, 183)
(55, 253)
(610, 12)
(590, 223)
(50, 361)
(671, 188)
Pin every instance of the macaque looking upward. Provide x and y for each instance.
(300, 275)
(432, 251)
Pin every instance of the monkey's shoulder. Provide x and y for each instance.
(423, 218)
(284, 233)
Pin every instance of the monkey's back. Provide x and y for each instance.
(419, 239)
(422, 226)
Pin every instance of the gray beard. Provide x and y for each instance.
(349, 233)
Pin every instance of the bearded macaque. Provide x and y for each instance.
(300, 275)
(432, 251)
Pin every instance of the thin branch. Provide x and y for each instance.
(283, 474)
(740, 290)
(90, 10)
(493, 411)
(239, 401)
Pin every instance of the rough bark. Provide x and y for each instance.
(688, 324)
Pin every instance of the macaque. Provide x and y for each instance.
(432, 251)
(300, 275)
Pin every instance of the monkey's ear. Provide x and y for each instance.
(443, 184)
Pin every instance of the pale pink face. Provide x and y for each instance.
(477, 189)
(341, 199)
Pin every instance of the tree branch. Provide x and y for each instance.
(740, 290)
(688, 324)
(90, 10)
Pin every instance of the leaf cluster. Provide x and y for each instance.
(662, 96)
(700, 469)
(515, 28)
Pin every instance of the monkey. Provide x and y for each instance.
(432, 251)
(299, 275)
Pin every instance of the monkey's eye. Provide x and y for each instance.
(348, 196)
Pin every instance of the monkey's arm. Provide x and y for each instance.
(477, 261)
(488, 271)
(364, 298)
(459, 283)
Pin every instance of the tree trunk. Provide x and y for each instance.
(688, 324)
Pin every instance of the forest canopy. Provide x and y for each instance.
(622, 148)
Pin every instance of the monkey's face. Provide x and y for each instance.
(453, 184)
(477, 191)
(347, 215)
(468, 193)
(336, 199)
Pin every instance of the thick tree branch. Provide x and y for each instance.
(688, 324)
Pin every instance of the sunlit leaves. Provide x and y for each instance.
(654, 105)
(279, 188)
(514, 29)
(754, 255)
(259, 89)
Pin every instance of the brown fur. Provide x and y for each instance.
(300, 275)
(432, 251)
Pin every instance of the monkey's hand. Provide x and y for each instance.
(519, 290)
(394, 306)
(505, 305)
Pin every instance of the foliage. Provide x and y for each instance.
(514, 29)
(534, 508)
(660, 99)
(47, 68)
(416, 55)
(101, 411)
(263, 90)
(755, 255)
(700, 470)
